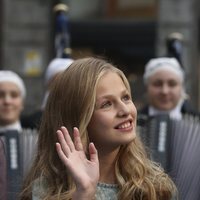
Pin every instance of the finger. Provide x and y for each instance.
(61, 154)
(77, 140)
(63, 144)
(93, 153)
(68, 138)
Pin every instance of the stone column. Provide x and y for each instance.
(181, 16)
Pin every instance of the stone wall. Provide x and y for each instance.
(26, 44)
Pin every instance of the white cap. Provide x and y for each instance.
(55, 66)
(165, 63)
(10, 76)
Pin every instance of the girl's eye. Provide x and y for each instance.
(106, 104)
(126, 97)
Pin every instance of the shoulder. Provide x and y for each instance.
(188, 109)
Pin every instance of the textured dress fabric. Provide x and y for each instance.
(104, 191)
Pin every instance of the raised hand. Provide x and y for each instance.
(84, 172)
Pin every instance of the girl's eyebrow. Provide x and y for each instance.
(104, 96)
(111, 95)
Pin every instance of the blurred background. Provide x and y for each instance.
(126, 32)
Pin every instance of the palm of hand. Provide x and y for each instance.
(85, 172)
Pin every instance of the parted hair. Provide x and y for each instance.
(71, 103)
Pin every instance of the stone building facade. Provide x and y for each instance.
(182, 16)
(26, 38)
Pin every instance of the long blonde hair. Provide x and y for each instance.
(71, 103)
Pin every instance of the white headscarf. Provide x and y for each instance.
(170, 64)
(10, 76)
(55, 66)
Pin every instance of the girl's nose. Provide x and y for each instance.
(123, 110)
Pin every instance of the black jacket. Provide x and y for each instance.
(32, 121)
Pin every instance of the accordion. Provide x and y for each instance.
(17, 151)
(175, 144)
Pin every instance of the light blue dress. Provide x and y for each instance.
(104, 191)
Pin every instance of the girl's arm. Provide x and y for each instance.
(85, 173)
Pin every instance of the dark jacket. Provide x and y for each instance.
(32, 121)
(3, 173)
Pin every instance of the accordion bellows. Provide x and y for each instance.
(175, 144)
(19, 149)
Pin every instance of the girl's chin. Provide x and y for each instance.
(130, 139)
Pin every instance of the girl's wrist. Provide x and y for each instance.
(85, 192)
(86, 195)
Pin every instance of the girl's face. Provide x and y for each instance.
(113, 122)
(11, 103)
(164, 90)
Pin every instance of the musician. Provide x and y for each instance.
(56, 66)
(164, 81)
(12, 96)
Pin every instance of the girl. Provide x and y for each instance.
(91, 118)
